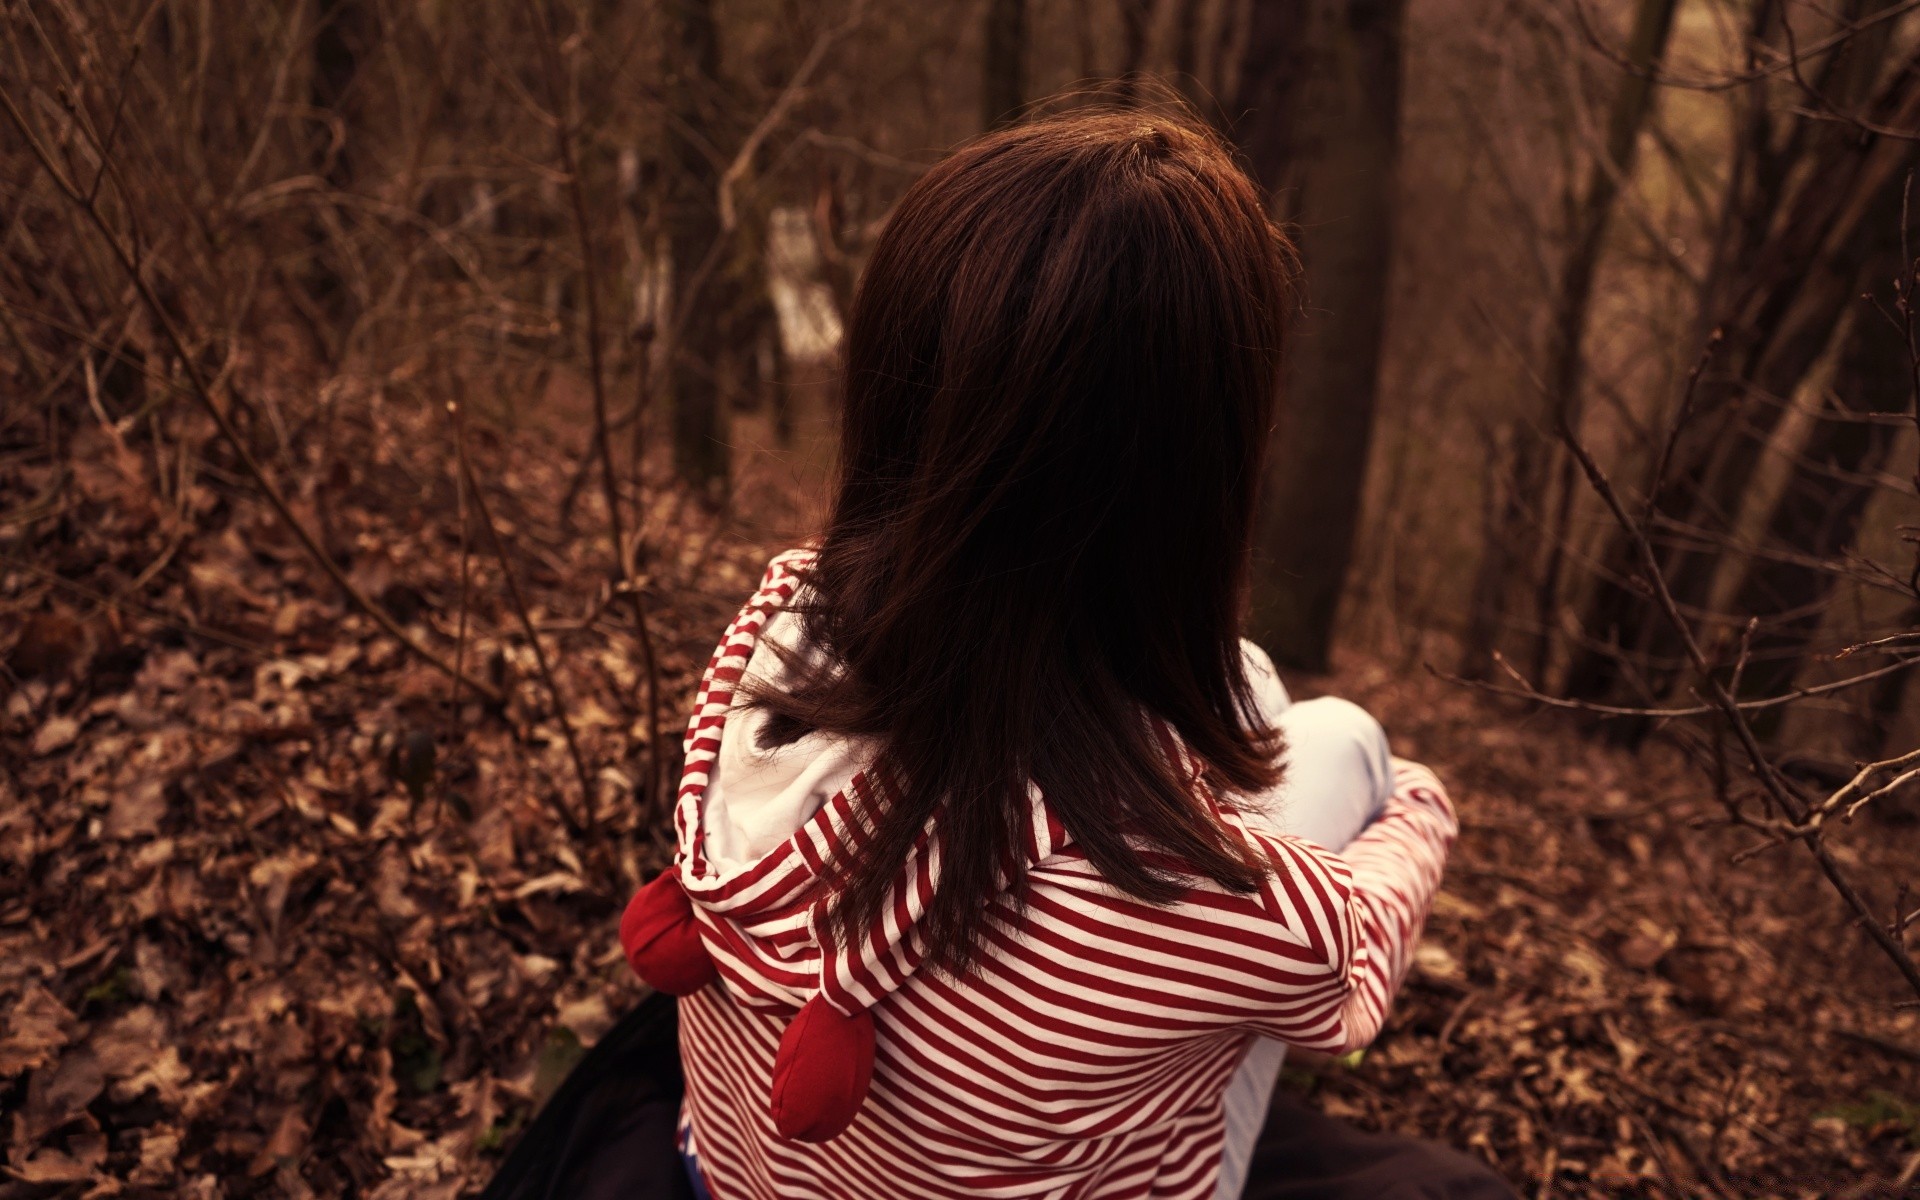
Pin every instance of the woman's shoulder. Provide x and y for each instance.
(784, 575)
(793, 561)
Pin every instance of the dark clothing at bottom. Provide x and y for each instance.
(1303, 1154)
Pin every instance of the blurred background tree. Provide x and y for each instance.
(1319, 119)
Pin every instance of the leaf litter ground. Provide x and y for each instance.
(277, 918)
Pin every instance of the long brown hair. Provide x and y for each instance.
(1060, 373)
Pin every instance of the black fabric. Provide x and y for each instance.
(1306, 1155)
(608, 1134)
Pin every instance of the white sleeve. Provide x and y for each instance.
(1268, 691)
(1338, 778)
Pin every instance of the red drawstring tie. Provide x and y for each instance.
(662, 941)
(825, 1062)
(821, 1074)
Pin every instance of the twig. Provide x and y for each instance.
(1826, 111)
(105, 600)
(1658, 483)
(1782, 793)
(1658, 1152)
(863, 152)
(623, 557)
(562, 99)
(796, 86)
(581, 832)
(1852, 795)
(1741, 79)
(1877, 643)
(460, 630)
(198, 385)
(658, 802)
(1904, 290)
(1527, 691)
(1452, 1023)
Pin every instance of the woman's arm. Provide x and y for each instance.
(1339, 774)
(1348, 923)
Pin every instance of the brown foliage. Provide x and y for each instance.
(248, 946)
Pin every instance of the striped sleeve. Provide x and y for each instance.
(1358, 914)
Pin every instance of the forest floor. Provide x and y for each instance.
(242, 955)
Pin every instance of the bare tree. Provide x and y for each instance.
(692, 223)
(1806, 217)
(1788, 814)
(1533, 448)
(1320, 85)
(1003, 77)
(1797, 565)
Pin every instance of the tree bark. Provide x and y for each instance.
(1003, 64)
(1818, 516)
(1536, 447)
(1779, 312)
(1188, 22)
(1136, 22)
(691, 219)
(1321, 85)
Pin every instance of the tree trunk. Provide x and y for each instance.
(1321, 85)
(1188, 21)
(1566, 368)
(691, 219)
(1602, 666)
(1136, 22)
(1818, 515)
(1003, 83)
(1778, 315)
(1535, 441)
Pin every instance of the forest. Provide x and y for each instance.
(399, 397)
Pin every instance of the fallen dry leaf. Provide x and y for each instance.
(236, 953)
(56, 734)
(35, 1026)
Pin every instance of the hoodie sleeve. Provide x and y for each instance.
(1347, 923)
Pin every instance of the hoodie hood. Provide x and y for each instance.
(757, 827)
(744, 901)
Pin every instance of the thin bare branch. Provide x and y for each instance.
(1724, 83)
(777, 112)
(581, 831)
(1526, 690)
(89, 207)
(1776, 785)
(623, 555)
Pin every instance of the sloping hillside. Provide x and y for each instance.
(280, 916)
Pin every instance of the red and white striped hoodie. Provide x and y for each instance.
(1086, 1056)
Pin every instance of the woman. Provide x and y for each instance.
(989, 882)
